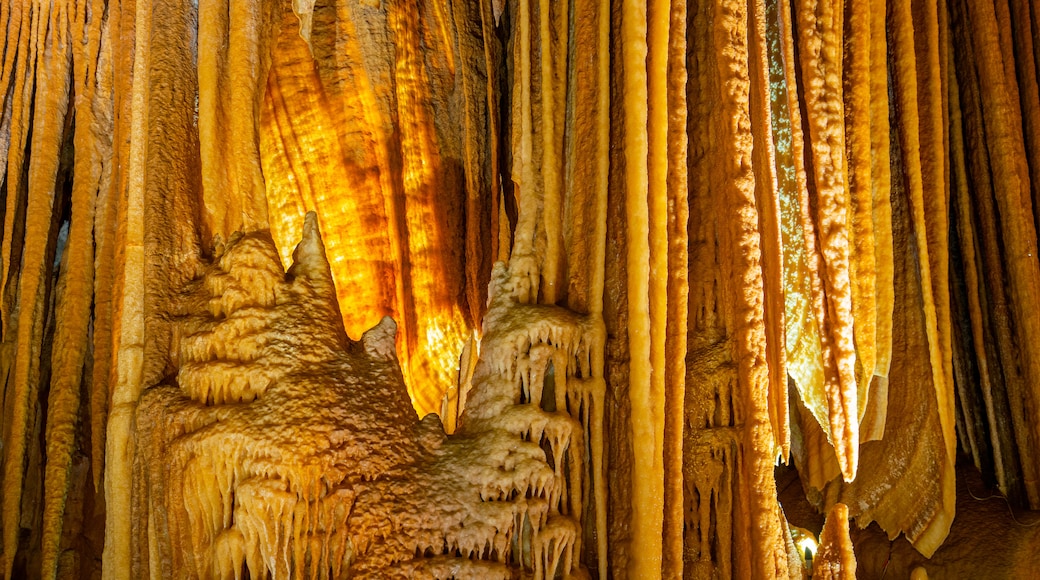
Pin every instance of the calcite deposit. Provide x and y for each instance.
(281, 447)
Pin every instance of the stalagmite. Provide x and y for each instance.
(835, 558)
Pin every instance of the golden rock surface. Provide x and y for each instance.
(733, 233)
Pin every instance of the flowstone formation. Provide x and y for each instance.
(282, 448)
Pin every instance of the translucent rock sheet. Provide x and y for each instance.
(826, 222)
(378, 121)
(912, 466)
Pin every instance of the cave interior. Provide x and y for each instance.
(520, 289)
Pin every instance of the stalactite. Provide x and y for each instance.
(921, 506)
(75, 289)
(678, 294)
(1023, 22)
(920, 108)
(962, 245)
(559, 97)
(529, 196)
(152, 260)
(658, 111)
(50, 42)
(19, 83)
(819, 28)
(727, 393)
(475, 45)
(549, 129)
(857, 93)
(233, 59)
(768, 202)
(810, 360)
(646, 493)
(802, 343)
(1004, 149)
(308, 168)
(109, 226)
(381, 198)
(872, 426)
(971, 248)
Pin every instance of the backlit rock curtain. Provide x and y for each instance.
(806, 228)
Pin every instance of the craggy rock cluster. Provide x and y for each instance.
(282, 447)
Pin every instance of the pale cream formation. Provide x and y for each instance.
(284, 448)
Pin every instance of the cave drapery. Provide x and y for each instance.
(632, 254)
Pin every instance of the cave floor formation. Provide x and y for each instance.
(989, 537)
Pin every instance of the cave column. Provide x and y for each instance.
(653, 49)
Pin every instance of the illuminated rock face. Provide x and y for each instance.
(281, 447)
(368, 121)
